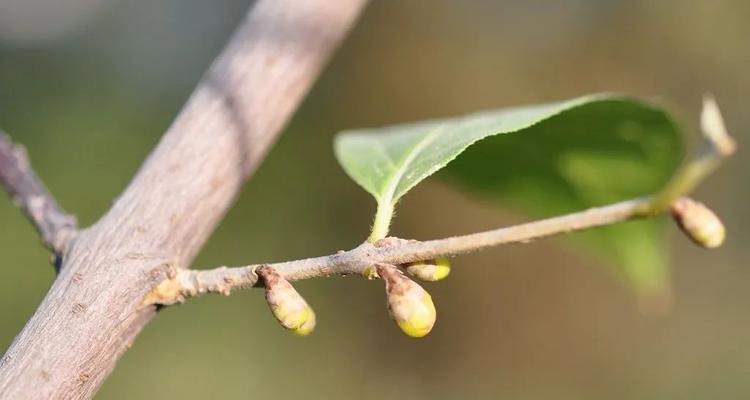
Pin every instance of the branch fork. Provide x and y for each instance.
(93, 310)
(385, 258)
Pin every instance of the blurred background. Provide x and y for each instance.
(90, 85)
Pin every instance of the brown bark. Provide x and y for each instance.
(92, 313)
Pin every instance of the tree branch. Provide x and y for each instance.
(223, 280)
(190, 283)
(54, 225)
(92, 313)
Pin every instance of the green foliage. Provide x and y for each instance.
(565, 157)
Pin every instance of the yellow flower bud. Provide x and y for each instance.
(408, 304)
(370, 273)
(289, 308)
(698, 222)
(430, 270)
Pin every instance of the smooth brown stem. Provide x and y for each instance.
(189, 283)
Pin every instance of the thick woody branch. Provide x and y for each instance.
(92, 313)
(54, 225)
(189, 283)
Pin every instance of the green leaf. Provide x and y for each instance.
(563, 157)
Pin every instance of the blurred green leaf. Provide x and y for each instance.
(572, 155)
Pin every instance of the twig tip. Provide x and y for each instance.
(713, 127)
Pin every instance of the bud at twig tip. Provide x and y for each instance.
(409, 305)
(289, 308)
(712, 125)
(698, 222)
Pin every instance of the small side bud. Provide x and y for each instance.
(430, 270)
(370, 273)
(698, 222)
(408, 304)
(289, 308)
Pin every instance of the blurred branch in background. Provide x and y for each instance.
(27, 191)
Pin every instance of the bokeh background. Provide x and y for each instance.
(90, 85)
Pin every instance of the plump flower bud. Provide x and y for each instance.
(430, 270)
(408, 304)
(698, 222)
(289, 308)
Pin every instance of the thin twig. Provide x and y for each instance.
(718, 146)
(190, 283)
(54, 225)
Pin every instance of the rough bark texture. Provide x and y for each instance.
(92, 312)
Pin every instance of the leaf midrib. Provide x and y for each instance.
(403, 164)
